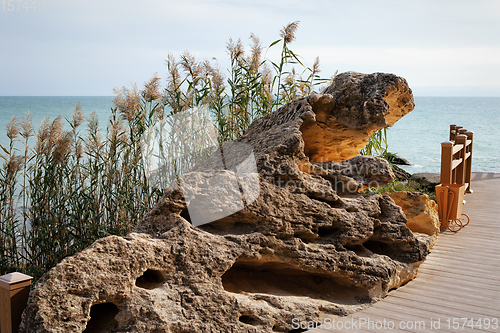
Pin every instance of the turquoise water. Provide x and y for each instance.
(416, 137)
(51, 106)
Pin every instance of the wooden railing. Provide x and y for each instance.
(456, 158)
(14, 292)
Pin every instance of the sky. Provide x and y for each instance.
(87, 47)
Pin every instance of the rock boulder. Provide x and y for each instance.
(427, 180)
(305, 244)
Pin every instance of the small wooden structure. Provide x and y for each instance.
(14, 291)
(456, 158)
(456, 170)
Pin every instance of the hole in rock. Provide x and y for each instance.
(327, 231)
(238, 223)
(360, 250)
(279, 279)
(379, 248)
(102, 318)
(250, 320)
(333, 204)
(151, 279)
(229, 226)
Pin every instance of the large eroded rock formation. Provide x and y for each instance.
(306, 244)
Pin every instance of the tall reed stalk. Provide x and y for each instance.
(377, 145)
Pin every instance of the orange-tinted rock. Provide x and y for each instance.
(350, 110)
(421, 212)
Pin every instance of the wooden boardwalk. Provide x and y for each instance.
(459, 279)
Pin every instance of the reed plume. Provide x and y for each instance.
(151, 89)
(190, 66)
(288, 32)
(127, 100)
(15, 164)
(62, 147)
(27, 130)
(256, 54)
(13, 128)
(77, 116)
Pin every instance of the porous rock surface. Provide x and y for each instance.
(427, 180)
(307, 246)
(421, 212)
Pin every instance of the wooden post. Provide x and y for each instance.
(461, 131)
(457, 128)
(446, 162)
(460, 173)
(452, 132)
(14, 291)
(468, 165)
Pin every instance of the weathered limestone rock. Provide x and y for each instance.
(359, 101)
(401, 174)
(398, 160)
(356, 173)
(305, 245)
(421, 212)
(427, 180)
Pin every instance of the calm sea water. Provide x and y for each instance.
(416, 137)
(42, 107)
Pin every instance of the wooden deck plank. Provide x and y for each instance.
(472, 273)
(448, 259)
(476, 242)
(456, 260)
(444, 256)
(417, 311)
(486, 284)
(411, 314)
(434, 312)
(355, 318)
(428, 301)
(490, 305)
(461, 276)
(463, 291)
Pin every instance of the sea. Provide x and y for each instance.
(416, 137)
